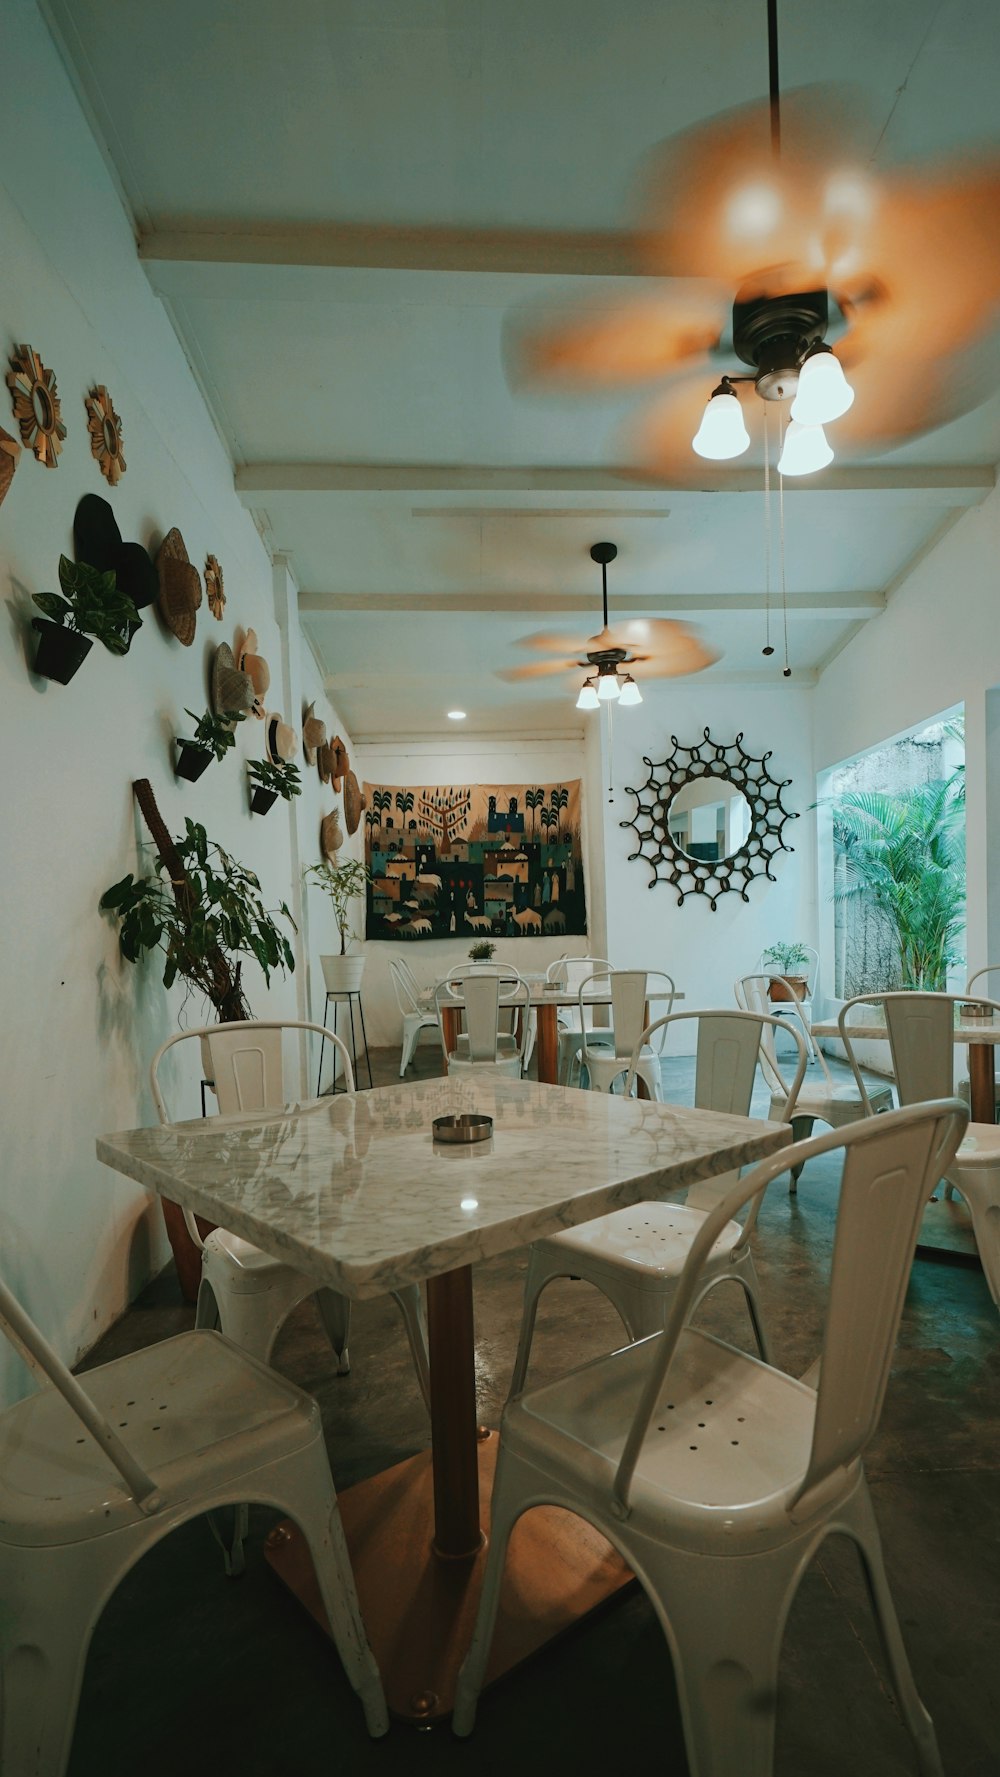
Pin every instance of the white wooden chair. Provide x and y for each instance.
(206, 1426)
(635, 1256)
(919, 1027)
(417, 1014)
(718, 1478)
(608, 1062)
(821, 1100)
(485, 994)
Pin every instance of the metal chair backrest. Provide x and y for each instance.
(484, 992)
(892, 1164)
(990, 969)
(576, 970)
(629, 989)
(247, 1063)
(401, 978)
(47, 1366)
(752, 996)
(919, 1028)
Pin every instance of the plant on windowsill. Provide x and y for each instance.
(213, 735)
(268, 782)
(344, 883)
(792, 964)
(91, 604)
(481, 951)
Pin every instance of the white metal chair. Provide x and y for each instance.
(485, 995)
(206, 1426)
(716, 1477)
(787, 1008)
(571, 972)
(818, 1101)
(606, 1064)
(635, 1256)
(919, 1027)
(417, 1014)
(244, 1291)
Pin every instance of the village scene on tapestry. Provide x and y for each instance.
(494, 860)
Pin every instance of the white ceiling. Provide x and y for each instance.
(432, 512)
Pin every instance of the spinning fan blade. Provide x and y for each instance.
(658, 442)
(690, 656)
(541, 669)
(631, 342)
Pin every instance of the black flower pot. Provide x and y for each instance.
(261, 800)
(192, 760)
(60, 650)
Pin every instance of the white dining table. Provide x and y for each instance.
(980, 1034)
(355, 1191)
(546, 1001)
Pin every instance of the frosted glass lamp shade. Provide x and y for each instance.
(587, 699)
(722, 432)
(805, 450)
(608, 688)
(630, 693)
(824, 392)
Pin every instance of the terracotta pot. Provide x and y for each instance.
(779, 990)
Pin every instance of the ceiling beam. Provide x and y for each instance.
(533, 252)
(840, 606)
(946, 486)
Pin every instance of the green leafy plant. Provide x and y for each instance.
(283, 779)
(214, 733)
(219, 915)
(481, 951)
(344, 883)
(92, 605)
(905, 854)
(787, 957)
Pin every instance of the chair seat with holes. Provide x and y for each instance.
(835, 1105)
(652, 1239)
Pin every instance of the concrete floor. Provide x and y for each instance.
(191, 1672)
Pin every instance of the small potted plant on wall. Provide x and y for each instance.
(213, 737)
(481, 951)
(269, 781)
(92, 604)
(791, 961)
(344, 883)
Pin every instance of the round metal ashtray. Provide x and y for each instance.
(971, 1010)
(466, 1128)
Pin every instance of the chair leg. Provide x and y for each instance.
(43, 1652)
(863, 1529)
(985, 1216)
(410, 1303)
(410, 1034)
(802, 1128)
(505, 1511)
(206, 1313)
(335, 1313)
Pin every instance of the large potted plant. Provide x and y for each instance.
(92, 604)
(344, 883)
(792, 964)
(904, 854)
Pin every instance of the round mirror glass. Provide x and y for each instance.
(42, 406)
(709, 819)
(112, 443)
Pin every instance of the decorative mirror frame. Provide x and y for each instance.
(26, 377)
(105, 430)
(729, 761)
(215, 590)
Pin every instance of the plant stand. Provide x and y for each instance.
(350, 995)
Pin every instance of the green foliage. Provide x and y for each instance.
(226, 914)
(282, 778)
(905, 853)
(786, 957)
(481, 951)
(343, 883)
(92, 605)
(215, 733)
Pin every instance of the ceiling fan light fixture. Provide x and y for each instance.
(805, 450)
(630, 692)
(824, 392)
(608, 688)
(722, 433)
(588, 699)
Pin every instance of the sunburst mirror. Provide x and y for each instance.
(105, 434)
(37, 408)
(214, 586)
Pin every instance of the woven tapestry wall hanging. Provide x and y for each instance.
(454, 861)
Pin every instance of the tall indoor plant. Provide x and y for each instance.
(344, 884)
(904, 853)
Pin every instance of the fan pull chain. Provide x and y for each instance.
(611, 747)
(767, 648)
(786, 671)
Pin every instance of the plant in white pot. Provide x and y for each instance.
(344, 883)
(790, 963)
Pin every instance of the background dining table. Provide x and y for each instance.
(546, 1002)
(981, 1035)
(355, 1191)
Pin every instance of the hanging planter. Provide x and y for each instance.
(213, 736)
(61, 651)
(192, 759)
(261, 800)
(269, 781)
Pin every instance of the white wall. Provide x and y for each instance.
(76, 1240)
(477, 761)
(702, 950)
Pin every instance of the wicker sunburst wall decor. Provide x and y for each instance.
(729, 763)
(37, 408)
(105, 434)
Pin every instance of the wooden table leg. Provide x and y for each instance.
(451, 1338)
(547, 1044)
(982, 1082)
(449, 1025)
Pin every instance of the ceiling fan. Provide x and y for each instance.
(612, 660)
(783, 234)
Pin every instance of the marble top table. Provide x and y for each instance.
(980, 1033)
(354, 1191)
(546, 1002)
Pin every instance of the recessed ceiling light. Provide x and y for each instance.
(456, 715)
